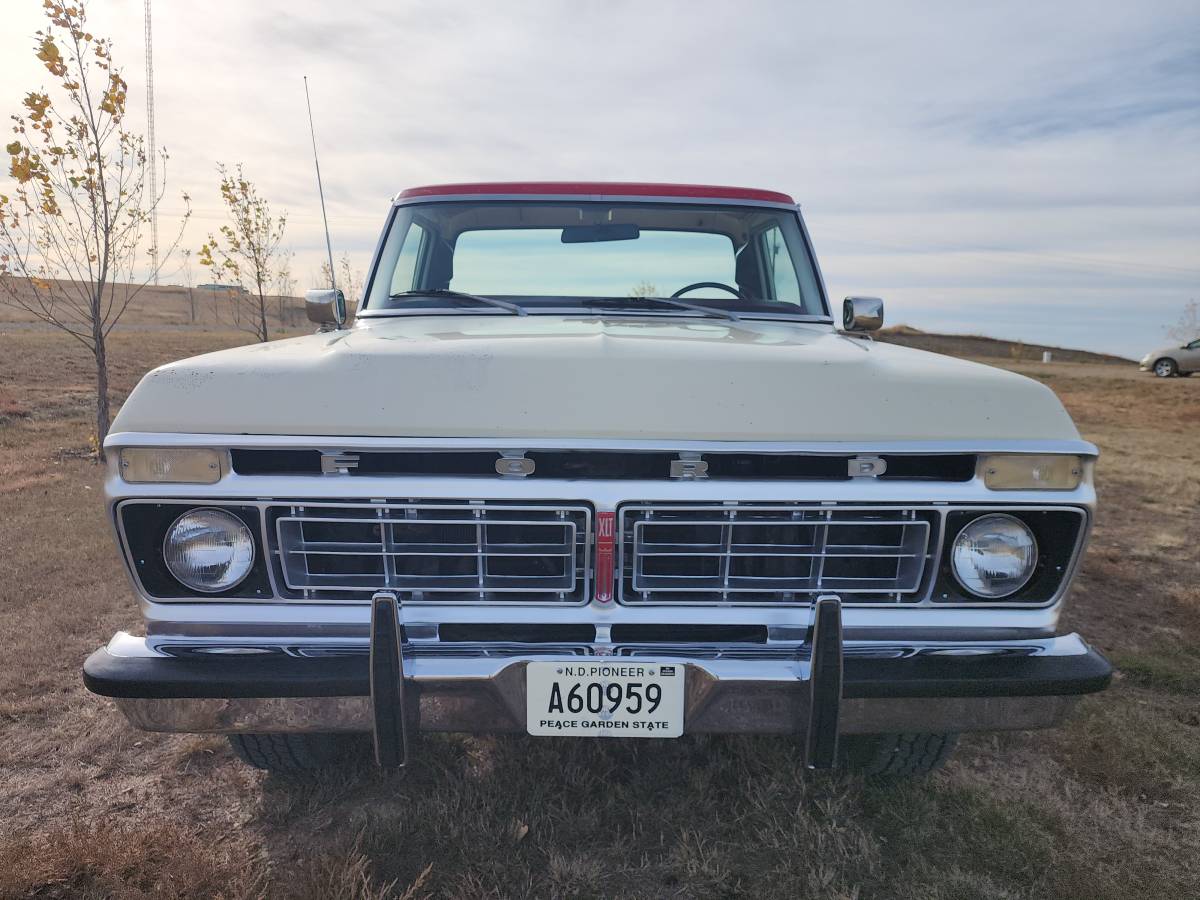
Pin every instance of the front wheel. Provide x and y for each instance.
(1165, 368)
(896, 755)
(299, 754)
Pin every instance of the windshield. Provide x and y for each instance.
(628, 257)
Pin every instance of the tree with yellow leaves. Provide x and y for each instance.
(246, 251)
(70, 232)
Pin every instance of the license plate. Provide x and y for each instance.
(604, 699)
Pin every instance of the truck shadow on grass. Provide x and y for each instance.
(702, 816)
(1013, 816)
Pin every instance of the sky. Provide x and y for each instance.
(1026, 170)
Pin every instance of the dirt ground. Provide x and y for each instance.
(1107, 807)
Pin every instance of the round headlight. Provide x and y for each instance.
(994, 556)
(209, 550)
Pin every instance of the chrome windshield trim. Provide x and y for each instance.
(399, 201)
(598, 313)
(349, 442)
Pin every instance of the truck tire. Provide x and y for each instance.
(297, 754)
(896, 755)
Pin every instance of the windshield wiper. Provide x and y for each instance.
(677, 303)
(459, 295)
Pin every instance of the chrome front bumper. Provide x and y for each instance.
(498, 705)
(881, 686)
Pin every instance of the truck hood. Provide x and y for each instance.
(603, 378)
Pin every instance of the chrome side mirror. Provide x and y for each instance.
(326, 307)
(862, 314)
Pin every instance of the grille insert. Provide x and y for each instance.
(606, 464)
(434, 552)
(779, 553)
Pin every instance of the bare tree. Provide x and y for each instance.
(247, 248)
(187, 276)
(71, 231)
(1188, 326)
(285, 284)
(352, 279)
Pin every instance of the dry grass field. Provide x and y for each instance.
(1107, 807)
(158, 307)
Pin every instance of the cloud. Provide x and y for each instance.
(1000, 166)
(1152, 84)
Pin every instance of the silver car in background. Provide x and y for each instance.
(1173, 359)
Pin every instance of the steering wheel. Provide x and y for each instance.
(710, 284)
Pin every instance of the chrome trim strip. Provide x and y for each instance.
(125, 645)
(334, 443)
(603, 494)
(270, 633)
(170, 620)
(812, 257)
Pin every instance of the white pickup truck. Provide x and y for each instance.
(596, 460)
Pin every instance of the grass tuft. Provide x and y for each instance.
(98, 861)
(1172, 673)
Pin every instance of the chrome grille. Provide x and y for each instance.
(464, 552)
(777, 553)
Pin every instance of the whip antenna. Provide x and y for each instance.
(320, 189)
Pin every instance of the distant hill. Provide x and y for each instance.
(978, 346)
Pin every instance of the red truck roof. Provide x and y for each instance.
(602, 189)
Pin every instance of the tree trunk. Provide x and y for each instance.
(102, 409)
(192, 305)
(263, 334)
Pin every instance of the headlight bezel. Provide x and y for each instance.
(142, 525)
(1061, 534)
(243, 532)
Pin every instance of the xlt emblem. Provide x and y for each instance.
(606, 532)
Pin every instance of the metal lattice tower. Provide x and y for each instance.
(153, 145)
